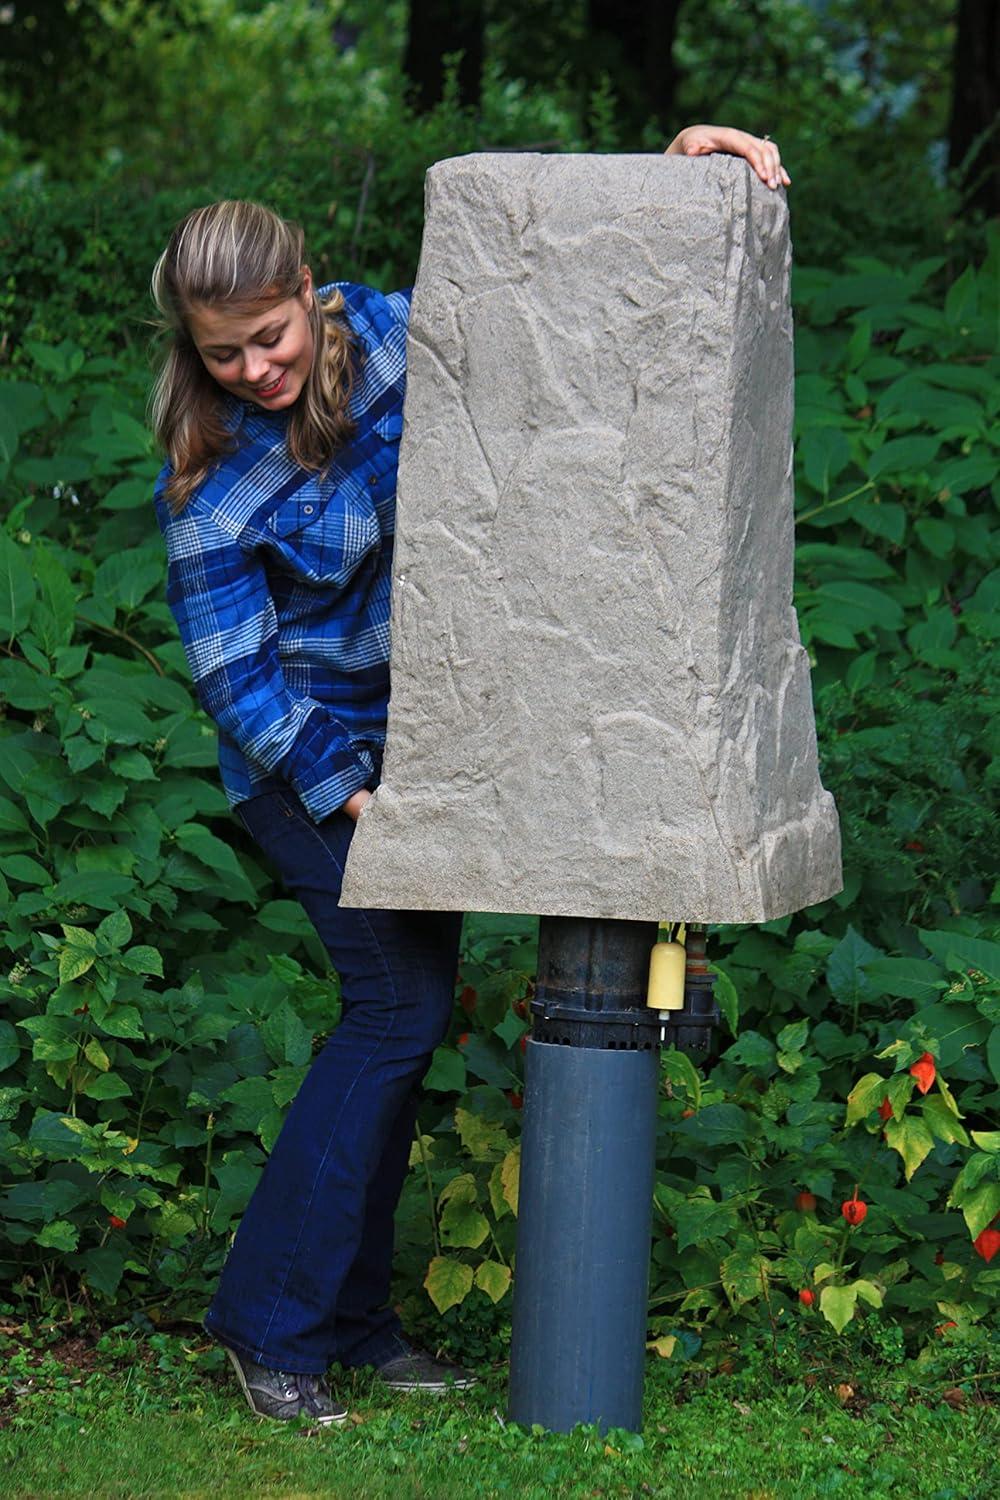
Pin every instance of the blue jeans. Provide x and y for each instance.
(306, 1282)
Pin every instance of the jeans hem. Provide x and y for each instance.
(293, 1366)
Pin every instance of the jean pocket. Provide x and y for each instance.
(288, 806)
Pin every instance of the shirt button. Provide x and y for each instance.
(307, 510)
(373, 479)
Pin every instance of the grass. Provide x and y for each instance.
(157, 1416)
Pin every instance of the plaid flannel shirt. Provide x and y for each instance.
(279, 582)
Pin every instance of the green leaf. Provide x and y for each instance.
(463, 1225)
(498, 1202)
(251, 1100)
(493, 1278)
(55, 611)
(717, 1125)
(107, 1086)
(115, 929)
(511, 1029)
(980, 1207)
(73, 962)
(743, 1275)
(96, 1055)
(912, 1139)
(861, 607)
(133, 766)
(486, 1058)
(726, 997)
(286, 1037)
(102, 891)
(866, 1095)
(103, 1268)
(125, 578)
(52, 1134)
(446, 1074)
(286, 917)
(510, 1177)
(682, 1074)
(837, 1304)
(937, 536)
(825, 452)
(123, 1021)
(27, 871)
(480, 1137)
(903, 456)
(12, 819)
(237, 1177)
(10, 1049)
(127, 494)
(285, 1084)
(215, 855)
(792, 1038)
(448, 1282)
(59, 1235)
(845, 969)
(458, 1189)
(753, 1051)
(942, 1121)
(973, 472)
(117, 722)
(17, 587)
(142, 959)
(909, 978)
(987, 1140)
(993, 1053)
(881, 518)
(700, 1219)
(869, 1292)
(958, 952)
(954, 1027)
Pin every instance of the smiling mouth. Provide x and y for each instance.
(273, 388)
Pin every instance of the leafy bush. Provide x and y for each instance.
(154, 1036)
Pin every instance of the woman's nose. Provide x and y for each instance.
(254, 368)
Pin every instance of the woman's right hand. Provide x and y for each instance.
(352, 807)
(760, 151)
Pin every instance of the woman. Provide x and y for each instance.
(280, 409)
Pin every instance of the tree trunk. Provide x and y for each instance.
(638, 35)
(975, 105)
(437, 27)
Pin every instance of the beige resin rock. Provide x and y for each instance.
(600, 704)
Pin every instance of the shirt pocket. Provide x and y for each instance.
(324, 533)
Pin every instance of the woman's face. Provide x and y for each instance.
(263, 356)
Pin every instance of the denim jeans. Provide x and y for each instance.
(306, 1282)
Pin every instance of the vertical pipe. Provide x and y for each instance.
(585, 1201)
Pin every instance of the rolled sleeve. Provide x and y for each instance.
(218, 594)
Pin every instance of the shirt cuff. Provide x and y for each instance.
(329, 793)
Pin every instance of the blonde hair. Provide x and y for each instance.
(244, 256)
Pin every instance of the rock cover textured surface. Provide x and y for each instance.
(600, 703)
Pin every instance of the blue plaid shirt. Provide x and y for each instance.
(279, 582)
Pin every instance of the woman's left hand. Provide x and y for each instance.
(762, 153)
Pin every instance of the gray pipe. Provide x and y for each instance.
(583, 1236)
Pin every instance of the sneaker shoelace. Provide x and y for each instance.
(314, 1393)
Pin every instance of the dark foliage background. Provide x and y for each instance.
(162, 999)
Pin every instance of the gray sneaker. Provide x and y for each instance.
(281, 1395)
(414, 1369)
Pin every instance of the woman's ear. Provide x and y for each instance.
(306, 289)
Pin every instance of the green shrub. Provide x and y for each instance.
(154, 1036)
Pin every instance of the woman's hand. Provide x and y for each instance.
(762, 154)
(352, 807)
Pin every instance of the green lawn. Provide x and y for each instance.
(161, 1418)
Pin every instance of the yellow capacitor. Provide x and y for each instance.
(666, 976)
